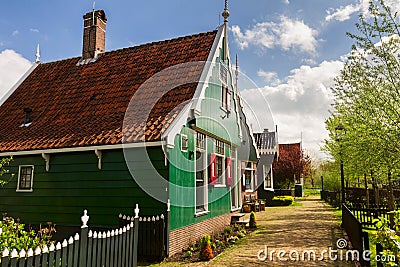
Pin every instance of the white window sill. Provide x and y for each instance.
(235, 209)
(199, 214)
(24, 190)
(249, 191)
(219, 186)
(269, 189)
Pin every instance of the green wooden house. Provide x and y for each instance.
(152, 124)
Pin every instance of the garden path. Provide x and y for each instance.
(310, 225)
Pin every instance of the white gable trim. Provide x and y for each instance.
(81, 149)
(19, 82)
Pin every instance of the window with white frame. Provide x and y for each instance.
(184, 143)
(226, 92)
(267, 173)
(220, 162)
(201, 174)
(25, 178)
(249, 176)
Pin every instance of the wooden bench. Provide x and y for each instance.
(243, 222)
(236, 217)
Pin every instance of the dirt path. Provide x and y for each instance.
(310, 226)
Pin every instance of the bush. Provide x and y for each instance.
(14, 236)
(387, 237)
(282, 201)
(252, 222)
(206, 252)
(228, 230)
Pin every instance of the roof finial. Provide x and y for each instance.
(226, 13)
(237, 72)
(37, 60)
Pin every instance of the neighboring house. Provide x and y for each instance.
(93, 132)
(268, 148)
(248, 157)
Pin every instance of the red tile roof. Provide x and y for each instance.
(85, 105)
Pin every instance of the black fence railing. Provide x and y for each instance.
(331, 197)
(116, 248)
(368, 214)
(358, 238)
(152, 237)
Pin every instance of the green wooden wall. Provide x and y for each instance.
(216, 123)
(213, 119)
(182, 188)
(75, 183)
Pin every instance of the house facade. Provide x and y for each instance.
(157, 125)
(268, 148)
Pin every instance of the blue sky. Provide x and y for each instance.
(292, 49)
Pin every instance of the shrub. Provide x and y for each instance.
(282, 201)
(206, 252)
(241, 235)
(14, 236)
(252, 222)
(387, 237)
(228, 230)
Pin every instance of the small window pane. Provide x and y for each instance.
(25, 178)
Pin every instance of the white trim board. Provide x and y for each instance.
(81, 149)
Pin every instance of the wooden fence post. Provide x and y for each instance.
(136, 235)
(29, 261)
(84, 239)
(4, 258)
(14, 258)
(51, 255)
(167, 228)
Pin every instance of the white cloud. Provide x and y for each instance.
(299, 104)
(15, 33)
(288, 34)
(33, 30)
(286, 2)
(12, 67)
(269, 77)
(342, 13)
(345, 12)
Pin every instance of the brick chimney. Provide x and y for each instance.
(94, 34)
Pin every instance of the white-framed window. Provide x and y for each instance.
(249, 176)
(184, 143)
(25, 178)
(267, 173)
(201, 175)
(226, 92)
(220, 162)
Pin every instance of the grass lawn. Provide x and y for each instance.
(311, 192)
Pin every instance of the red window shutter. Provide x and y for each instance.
(213, 169)
(228, 99)
(228, 171)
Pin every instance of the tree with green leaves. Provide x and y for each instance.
(366, 100)
(3, 163)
